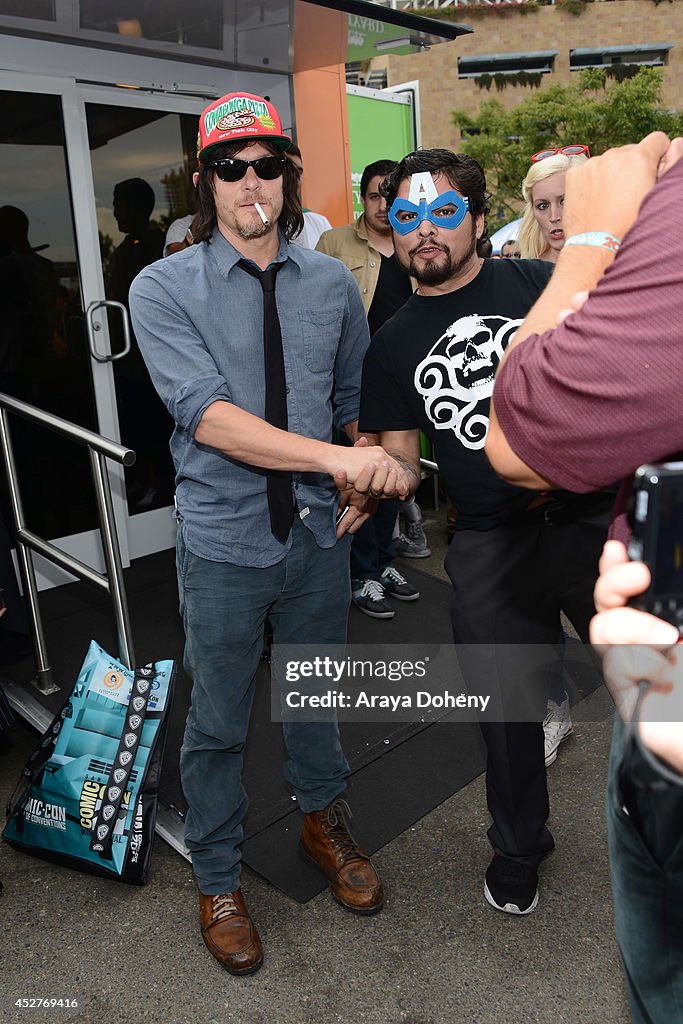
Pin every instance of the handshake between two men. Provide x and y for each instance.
(366, 474)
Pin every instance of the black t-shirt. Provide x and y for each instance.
(393, 288)
(432, 366)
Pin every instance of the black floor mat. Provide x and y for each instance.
(399, 771)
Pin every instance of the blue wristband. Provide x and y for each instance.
(600, 239)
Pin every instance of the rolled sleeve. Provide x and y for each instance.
(353, 344)
(182, 370)
(547, 413)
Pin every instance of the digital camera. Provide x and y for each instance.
(657, 522)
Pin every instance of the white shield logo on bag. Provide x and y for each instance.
(138, 703)
(125, 757)
(102, 831)
(130, 739)
(113, 793)
(142, 685)
(98, 847)
(134, 722)
(119, 775)
(107, 812)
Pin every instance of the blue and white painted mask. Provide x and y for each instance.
(447, 210)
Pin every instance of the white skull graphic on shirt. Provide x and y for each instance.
(457, 375)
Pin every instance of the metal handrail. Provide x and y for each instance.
(99, 449)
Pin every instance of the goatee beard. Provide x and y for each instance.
(435, 273)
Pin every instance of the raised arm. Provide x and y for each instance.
(566, 400)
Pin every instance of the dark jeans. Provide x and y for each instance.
(372, 547)
(645, 831)
(306, 597)
(509, 586)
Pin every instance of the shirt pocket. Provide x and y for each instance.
(320, 330)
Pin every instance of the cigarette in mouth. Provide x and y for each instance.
(259, 210)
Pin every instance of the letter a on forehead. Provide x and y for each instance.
(422, 187)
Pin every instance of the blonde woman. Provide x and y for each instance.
(541, 237)
(540, 233)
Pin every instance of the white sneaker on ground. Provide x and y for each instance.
(556, 727)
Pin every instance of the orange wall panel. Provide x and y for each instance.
(322, 134)
(322, 129)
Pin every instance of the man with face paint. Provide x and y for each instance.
(517, 559)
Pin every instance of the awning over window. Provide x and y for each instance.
(591, 51)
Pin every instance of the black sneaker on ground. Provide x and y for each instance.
(510, 886)
(396, 585)
(368, 597)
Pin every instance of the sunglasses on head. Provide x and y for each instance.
(562, 151)
(265, 167)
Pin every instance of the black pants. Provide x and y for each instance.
(509, 586)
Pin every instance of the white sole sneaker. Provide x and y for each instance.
(510, 908)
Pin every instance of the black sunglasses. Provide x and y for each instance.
(266, 167)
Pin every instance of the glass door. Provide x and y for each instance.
(142, 162)
(44, 358)
(90, 178)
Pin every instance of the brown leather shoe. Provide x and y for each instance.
(327, 840)
(229, 932)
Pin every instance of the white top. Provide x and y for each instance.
(177, 231)
(314, 225)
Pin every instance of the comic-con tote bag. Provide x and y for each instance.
(88, 794)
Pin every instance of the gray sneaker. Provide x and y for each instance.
(412, 543)
(368, 597)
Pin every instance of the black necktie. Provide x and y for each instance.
(279, 483)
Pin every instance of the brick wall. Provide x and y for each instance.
(611, 23)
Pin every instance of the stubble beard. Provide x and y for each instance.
(437, 272)
(245, 226)
(247, 231)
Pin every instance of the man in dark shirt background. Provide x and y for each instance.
(145, 425)
(367, 249)
(516, 559)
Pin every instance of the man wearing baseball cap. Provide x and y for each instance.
(256, 346)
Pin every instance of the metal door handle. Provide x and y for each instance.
(93, 327)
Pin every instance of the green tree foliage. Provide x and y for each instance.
(592, 110)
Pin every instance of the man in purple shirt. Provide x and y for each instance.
(584, 404)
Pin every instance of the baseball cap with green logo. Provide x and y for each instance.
(238, 117)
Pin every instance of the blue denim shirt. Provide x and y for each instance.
(198, 318)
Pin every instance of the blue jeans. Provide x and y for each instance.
(306, 597)
(646, 861)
